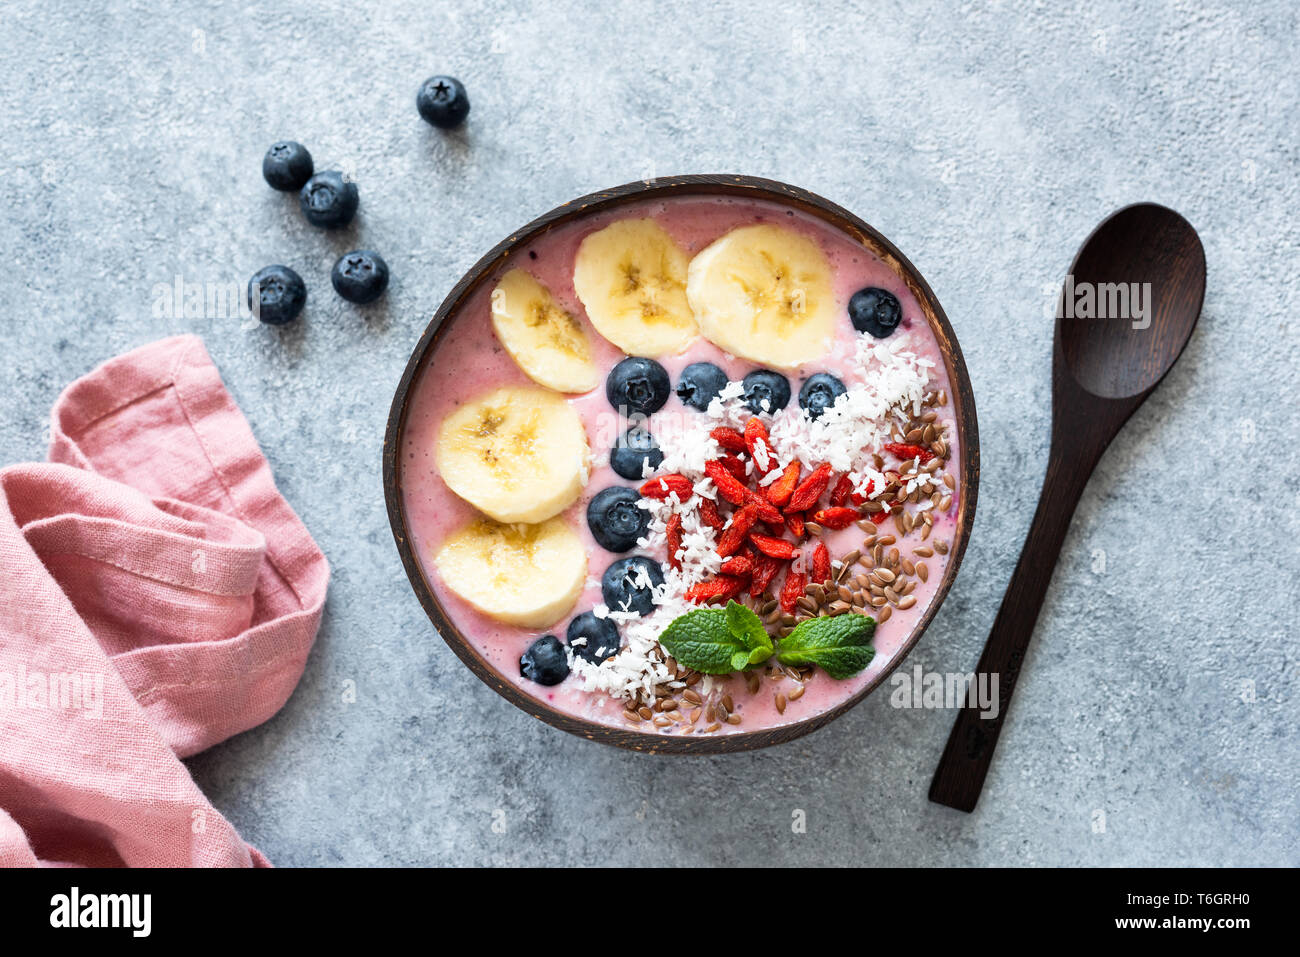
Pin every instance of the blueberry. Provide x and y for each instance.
(328, 200)
(545, 661)
(616, 520)
(601, 634)
(819, 394)
(637, 385)
(875, 311)
(699, 383)
(636, 447)
(625, 588)
(442, 101)
(764, 385)
(360, 276)
(287, 165)
(276, 294)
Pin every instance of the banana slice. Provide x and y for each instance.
(525, 575)
(545, 340)
(631, 278)
(764, 293)
(518, 453)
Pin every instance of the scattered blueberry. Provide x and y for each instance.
(699, 383)
(360, 276)
(287, 165)
(328, 200)
(545, 661)
(442, 101)
(636, 447)
(623, 588)
(601, 634)
(616, 520)
(764, 385)
(875, 311)
(276, 294)
(819, 394)
(637, 385)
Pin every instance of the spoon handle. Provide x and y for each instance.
(966, 758)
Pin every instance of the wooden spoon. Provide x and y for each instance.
(1102, 370)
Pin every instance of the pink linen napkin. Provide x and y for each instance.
(157, 596)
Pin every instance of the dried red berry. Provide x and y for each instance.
(662, 486)
(673, 532)
(735, 466)
(792, 590)
(779, 492)
(794, 521)
(860, 498)
(756, 434)
(722, 588)
(741, 566)
(728, 486)
(836, 517)
(765, 569)
(905, 451)
(843, 488)
(729, 439)
(709, 514)
(810, 489)
(879, 517)
(733, 536)
(775, 547)
(821, 563)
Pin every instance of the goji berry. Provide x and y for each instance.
(906, 451)
(821, 563)
(735, 466)
(794, 521)
(729, 439)
(722, 588)
(733, 536)
(836, 517)
(741, 566)
(879, 517)
(810, 489)
(709, 514)
(792, 590)
(779, 492)
(664, 485)
(729, 487)
(860, 498)
(767, 512)
(755, 435)
(840, 494)
(673, 532)
(776, 547)
(765, 569)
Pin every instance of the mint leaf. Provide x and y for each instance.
(840, 646)
(717, 641)
(747, 627)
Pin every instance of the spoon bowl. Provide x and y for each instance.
(1131, 300)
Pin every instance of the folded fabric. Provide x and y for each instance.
(157, 595)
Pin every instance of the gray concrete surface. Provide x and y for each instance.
(985, 140)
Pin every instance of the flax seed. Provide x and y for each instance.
(883, 575)
(631, 716)
(796, 693)
(949, 481)
(695, 714)
(780, 703)
(923, 571)
(907, 566)
(812, 528)
(713, 727)
(941, 546)
(882, 616)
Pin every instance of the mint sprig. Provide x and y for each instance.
(718, 641)
(840, 646)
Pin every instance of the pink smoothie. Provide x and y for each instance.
(470, 361)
